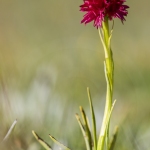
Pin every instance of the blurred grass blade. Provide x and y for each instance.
(10, 130)
(93, 119)
(86, 126)
(104, 130)
(113, 141)
(58, 143)
(41, 141)
(83, 132)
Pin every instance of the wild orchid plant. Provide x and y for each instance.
(101, 12)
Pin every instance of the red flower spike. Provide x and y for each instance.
(97, 10)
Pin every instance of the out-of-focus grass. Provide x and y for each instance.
(47, 59)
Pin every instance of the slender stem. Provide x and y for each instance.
(109, 71)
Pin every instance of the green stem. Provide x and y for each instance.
(109, 71)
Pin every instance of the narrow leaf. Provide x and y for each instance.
(93, 119)
(41, 141)
(83, 132)
(58, 143)
(86, 125)
(103, 43)
(107, 76)
(110, 36)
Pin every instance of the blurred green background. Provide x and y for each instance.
(47, 59)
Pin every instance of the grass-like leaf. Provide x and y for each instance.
(58, 143)
(41, 141)
(93, 119)
(83, 132)
(86, 126)
(10, 130)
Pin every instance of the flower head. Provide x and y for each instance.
(97, 10)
